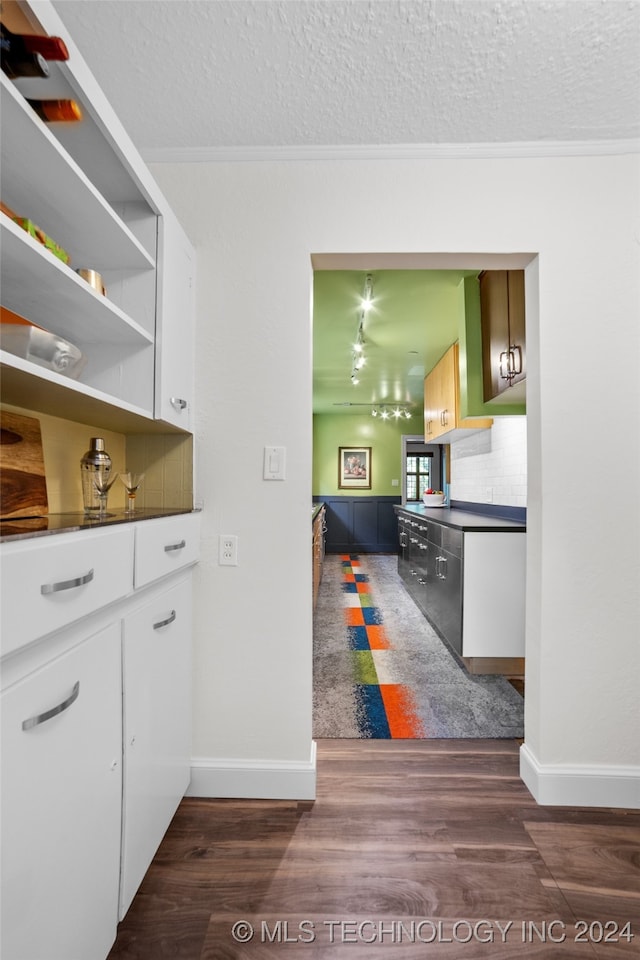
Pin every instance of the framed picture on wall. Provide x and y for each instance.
(354, 468)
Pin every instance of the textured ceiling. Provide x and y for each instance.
(245, 75)
(209, 79)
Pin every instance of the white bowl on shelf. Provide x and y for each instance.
(433, 499)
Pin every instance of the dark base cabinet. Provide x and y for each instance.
(467, 576)
(431, 567)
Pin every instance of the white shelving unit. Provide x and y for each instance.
(84, 184)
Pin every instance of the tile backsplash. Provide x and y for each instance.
(167, 463)
(491, 465)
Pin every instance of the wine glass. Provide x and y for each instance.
(103, 484)
(131, 483)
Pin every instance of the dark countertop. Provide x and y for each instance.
(462, 519)
(29, 527)
(315, 510)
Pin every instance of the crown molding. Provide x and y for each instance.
(396, 151)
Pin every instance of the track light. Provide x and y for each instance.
(380, 409)
(367, 296)
(358, 357)
(397, 411)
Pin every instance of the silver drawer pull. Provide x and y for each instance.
(48, 588)
(175, 546)
(178, 403)
(165, 623)
(48, 714)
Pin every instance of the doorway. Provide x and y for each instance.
(422, 468)
(414, 443)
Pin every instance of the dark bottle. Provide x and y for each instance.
(51, 110)
(19, 62)
(26, 55)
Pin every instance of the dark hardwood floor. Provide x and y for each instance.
(413, 849)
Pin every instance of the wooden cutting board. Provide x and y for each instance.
(23, 487)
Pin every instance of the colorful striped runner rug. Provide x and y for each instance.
(384, 709)
(381, 672)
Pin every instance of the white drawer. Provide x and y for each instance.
(48, 582)
(165, 545)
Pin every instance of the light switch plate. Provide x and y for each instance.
(274, 463)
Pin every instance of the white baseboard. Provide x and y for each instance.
(254, 779)
(580, 785)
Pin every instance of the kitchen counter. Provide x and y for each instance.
(462, 519)
(465, 571)
(29, 527)
(315, 510)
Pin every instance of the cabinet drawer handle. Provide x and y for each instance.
(48, 588)
(178, 403)
(48, 714)
(165, 623)
(175, 546)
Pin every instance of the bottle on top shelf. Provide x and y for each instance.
(52, 110)
(26, 55)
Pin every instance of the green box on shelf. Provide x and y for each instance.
(42, 238)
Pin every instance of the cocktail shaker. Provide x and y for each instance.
(95, 464)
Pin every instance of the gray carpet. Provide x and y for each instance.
(448, 701)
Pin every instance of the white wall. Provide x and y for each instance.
(255, 226)
(490, 466)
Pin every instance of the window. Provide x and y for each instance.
(418, 475)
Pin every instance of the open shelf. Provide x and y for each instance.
(39, 286)
(41, 182)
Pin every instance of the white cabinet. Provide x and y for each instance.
(157, 725)
(86, 187)
(175, 337)
(53, 581)
(61, 796)
(98, 680)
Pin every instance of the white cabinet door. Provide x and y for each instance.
(61, 805)
(175, 325)
(494, 594)
(157, 725)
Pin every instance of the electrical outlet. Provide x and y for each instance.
(488, 494)
(228, 550)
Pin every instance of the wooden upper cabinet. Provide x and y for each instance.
(442, 421)
(503, 332)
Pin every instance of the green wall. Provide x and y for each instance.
(331, 431)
